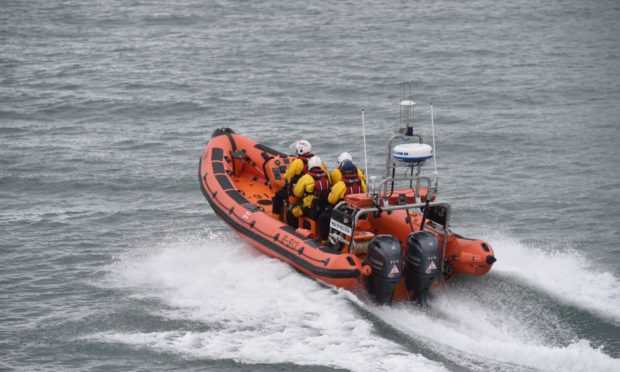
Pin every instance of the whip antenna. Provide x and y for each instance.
(434, 149)
(364, 134)
(433, 135)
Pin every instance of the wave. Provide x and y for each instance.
(488, 336)
(255, 310)
(565, 274)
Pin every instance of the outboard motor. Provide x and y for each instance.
(423, 264)
(385, 256)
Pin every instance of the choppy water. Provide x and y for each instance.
(112, 260)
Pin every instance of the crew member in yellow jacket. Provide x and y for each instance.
(351, 183)
(336, 174)
(311, 190)
(298, 167)
(295, 170)
(303, 151)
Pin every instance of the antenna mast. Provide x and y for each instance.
(406, 108)
(364, 134)
(433, 135)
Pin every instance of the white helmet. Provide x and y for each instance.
(344, 156)
(302, 147)
(314, 161)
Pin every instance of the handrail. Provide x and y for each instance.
(405, 178)
(429, 185)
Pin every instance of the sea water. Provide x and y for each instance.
(112, 259)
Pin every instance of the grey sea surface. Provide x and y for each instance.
(113, 260)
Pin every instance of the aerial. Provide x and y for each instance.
(150, 218)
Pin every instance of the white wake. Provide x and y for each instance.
(256, 309)
(259, 310)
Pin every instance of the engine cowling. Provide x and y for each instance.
(423, 264)
(386, 259)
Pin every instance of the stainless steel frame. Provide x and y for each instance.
(438, 228)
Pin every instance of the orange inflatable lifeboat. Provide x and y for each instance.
(239, 178)
(394, 242)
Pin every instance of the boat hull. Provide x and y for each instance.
(244, 203)
(239, 178)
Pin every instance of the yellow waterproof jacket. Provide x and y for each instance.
(294, 169)
(336, 175)
(339, 190)
(304, 188)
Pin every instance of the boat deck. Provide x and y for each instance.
(255, 191)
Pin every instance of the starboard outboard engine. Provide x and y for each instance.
(423, 264)
(385, 256)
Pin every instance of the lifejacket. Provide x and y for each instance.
(321, 182)
(353, 183)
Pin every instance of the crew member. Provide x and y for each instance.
(336, 174)
(312, 190)
(351, 183)
(296, 169)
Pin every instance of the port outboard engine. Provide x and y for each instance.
(385, 256)
(423, 264)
